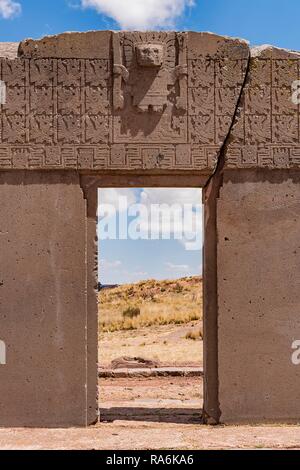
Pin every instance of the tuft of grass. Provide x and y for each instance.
(194, 335)
(131, 312)
(178, 288)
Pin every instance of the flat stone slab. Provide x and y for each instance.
(157, 372)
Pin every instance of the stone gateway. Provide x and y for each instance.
(102, 109)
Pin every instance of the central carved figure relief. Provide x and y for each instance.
(147, 94)
(150, 88)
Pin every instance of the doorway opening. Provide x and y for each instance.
(150, 304)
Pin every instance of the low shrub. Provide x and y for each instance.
(131, 312)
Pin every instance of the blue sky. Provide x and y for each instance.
(260, 21)
(129, 260)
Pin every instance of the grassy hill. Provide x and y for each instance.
(149, 303)
(159, 320)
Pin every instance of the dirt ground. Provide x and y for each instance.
(165, 343)
(156, 414)
(174, 400)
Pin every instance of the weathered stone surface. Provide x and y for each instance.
(89, 45)
(43, 314)
(9, 50)
(258, 228)
(207, 45)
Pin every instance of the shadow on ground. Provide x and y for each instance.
(154, 415)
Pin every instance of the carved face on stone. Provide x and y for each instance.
(150, 55)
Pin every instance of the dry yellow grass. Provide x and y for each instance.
(160, 303)
(194, 334)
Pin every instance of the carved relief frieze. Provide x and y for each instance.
(155, 100)
(150, 87)
(94, 157)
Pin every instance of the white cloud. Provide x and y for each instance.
(112, 196)
(165, 222)
(113, 272)
(177, 267)
(136, 274)
(9, 9)
(140, 14)
(186, 230)
(171, 196)
(110, 264)
(151, 196)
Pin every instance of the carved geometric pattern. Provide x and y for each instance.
(50, 101)
(266, 132)
(264, 157)
(126, 156)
